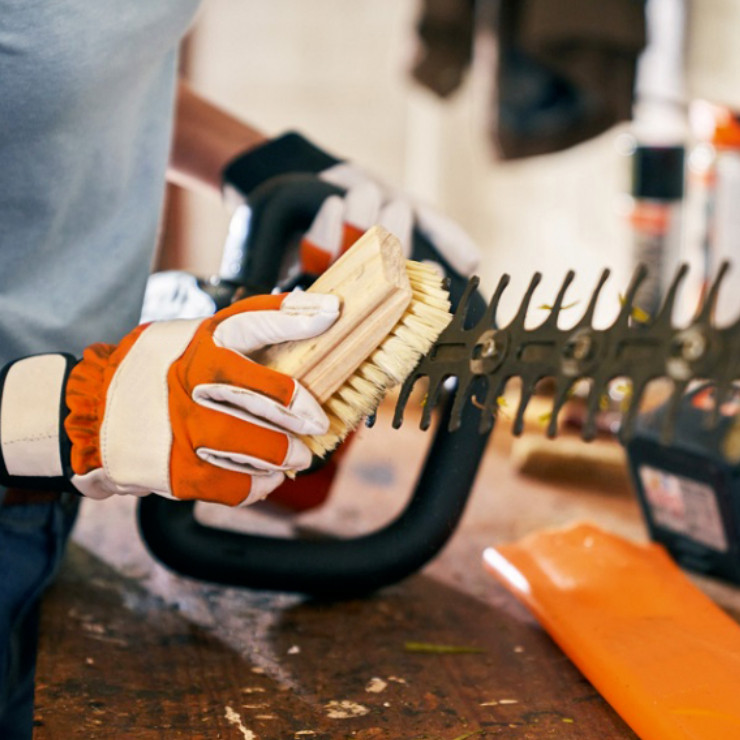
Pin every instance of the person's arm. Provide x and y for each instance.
(206, 139)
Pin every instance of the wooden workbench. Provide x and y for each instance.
(129, 650)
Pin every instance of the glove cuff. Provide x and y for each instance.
(34, 447)
(87, 390)
(288, 153)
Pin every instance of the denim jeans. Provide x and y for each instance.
(32, 540)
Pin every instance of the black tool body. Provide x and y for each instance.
(690, 490)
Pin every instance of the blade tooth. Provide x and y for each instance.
(627, 427)
(552, 317)
(435, 389)
(638, 277)
(488, 320)
(490, 410)
(666, 309)
(672, 408)
(710, 302)
(521, 314)
(552, 424)
(588, 316)
(487, 419)
(426, 419)
(561, 397)
(461, 312)
(527, 392)
(403, 397)
(461, 396)
(598, 388)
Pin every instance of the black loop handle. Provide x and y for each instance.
(334, 568)
(280, 212)
(329, 568)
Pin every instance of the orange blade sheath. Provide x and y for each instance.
(658, 650)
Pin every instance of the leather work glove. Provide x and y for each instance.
(291, 153)
(176, 408)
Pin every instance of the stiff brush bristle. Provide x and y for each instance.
(426, 316)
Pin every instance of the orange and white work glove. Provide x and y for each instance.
(292, 153)
(176, 408)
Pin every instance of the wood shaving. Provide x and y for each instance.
(375, 685)
(428, 647)
(345, 709)
(235, 719)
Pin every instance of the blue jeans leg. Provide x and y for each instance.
(32, 540)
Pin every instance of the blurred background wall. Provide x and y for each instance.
(338, 72)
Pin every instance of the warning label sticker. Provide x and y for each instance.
(684, 506)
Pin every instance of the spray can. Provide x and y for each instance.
(656, 218)
(724, 228)
(713, 220)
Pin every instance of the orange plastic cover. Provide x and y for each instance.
(658, 650)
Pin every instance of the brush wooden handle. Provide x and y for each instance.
(374, 291)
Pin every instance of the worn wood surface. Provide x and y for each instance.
(129, 650)
(118, 663)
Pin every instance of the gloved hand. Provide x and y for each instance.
(342, 220)
(176, 408)
(292, 153)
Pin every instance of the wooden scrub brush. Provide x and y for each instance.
(392, 311)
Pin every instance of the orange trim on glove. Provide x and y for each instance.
(196, 427)
(315, 259)
(87, 389)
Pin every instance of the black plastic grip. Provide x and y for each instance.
(335, 568)
(281, 211)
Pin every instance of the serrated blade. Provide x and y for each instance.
(633, 348)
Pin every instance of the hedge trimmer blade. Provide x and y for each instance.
(636, 348)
